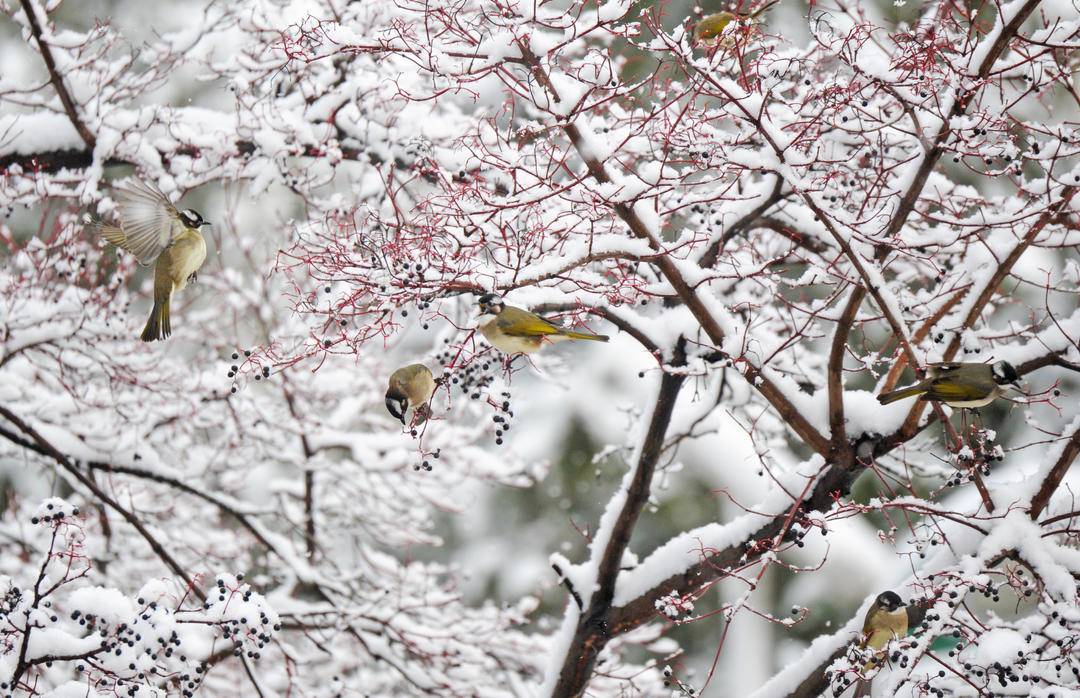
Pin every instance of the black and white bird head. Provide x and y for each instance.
(1005, 374)
(490, 304)
(191, 219)
(397, 404)
(888, 601)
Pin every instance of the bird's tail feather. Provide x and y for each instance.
(109, 233)
(886, 398)
(158, 325)
(582, 335)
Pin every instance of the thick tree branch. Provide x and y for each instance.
(747, 222)
(1055, 476)
(55, 77)
(834, 483)
(594, 627)
(837, 430)
(72, 159)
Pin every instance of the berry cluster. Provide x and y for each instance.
(263, 372)
(682, 687)
(243, 615)
(674, 605)
(53, 510)
(976, 456)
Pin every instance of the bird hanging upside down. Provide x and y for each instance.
(410, 388)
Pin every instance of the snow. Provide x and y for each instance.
(110, 605)
(34, 133)
(1000, 645)
(72, 689)
(53, 642)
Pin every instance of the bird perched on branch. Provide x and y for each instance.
(963, 385)
(709, 30)
(152, 229)
(887, 618)
(410, 388)
(515, 331)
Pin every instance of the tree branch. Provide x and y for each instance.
(89, 484)
(834, 483)
(712, 253)
(837, 430)
(1057, 473)
(593, 628)
(73, 159)
(55, 78)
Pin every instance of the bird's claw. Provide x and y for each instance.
(193, 277)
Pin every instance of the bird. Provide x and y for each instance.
(709, 30)
(887, 618)
(155, 232)
(410, 387)
(515, 331)
(962, 385)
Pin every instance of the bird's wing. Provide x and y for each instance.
(915, 615)
(146, 218)
(939, 370)
(943, 389)
(515, 322)
(881, 626)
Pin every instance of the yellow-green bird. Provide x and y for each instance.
(152, 229)
(962, 385)
(515, 331)
(410, 388)
(887, 618)
(709, 30)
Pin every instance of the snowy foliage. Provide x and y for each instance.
(773, 229)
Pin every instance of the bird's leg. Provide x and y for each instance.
(529, 361)
(508, 364)
(193, 277)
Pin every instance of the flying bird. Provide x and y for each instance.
(152, 229)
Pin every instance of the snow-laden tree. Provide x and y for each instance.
(775, 229)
